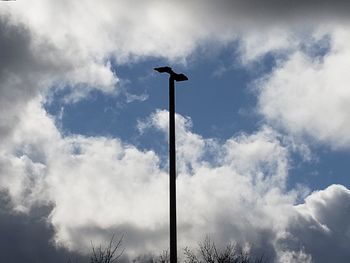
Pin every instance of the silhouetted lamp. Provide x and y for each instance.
(172, 157)
(175, 76)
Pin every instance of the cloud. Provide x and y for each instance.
(31, 65)
(96, 32)
(76, 46)
(274, 11)
(112, 28)
(20, 74)
(321, 227)
(308, 96)
(28, 237)
(236, 189)
(99, 186)
(190, 147)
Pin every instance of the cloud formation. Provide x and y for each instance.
(28, 237)
(308, 96)
(99, 185)
(235, 189)
(124, 31)
(32, 66)
(320, 227)
(82, 175)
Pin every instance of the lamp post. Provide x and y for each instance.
(172, 157)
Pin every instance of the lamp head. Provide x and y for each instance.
(164, 70)
(180, 77)
(175, 76)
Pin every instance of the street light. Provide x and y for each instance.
(172, 157)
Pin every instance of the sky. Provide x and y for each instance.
(262, 127)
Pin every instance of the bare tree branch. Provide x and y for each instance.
(110, 254)
(209, 253)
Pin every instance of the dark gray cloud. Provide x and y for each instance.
(32, 65)
(286, 8)
(28, 237)
(26, 66)
(15, 56)
(273, 12)
(321, 227)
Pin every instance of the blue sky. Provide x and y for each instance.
(263, 126)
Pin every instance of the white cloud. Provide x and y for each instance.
(309, 96)
(88, 34)
(31, 65)
(75, 42)
(190, 146)
(99, 185)
(273, 40)
(294, 257)
(124, 30)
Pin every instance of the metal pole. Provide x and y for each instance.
(172, 172)
(172, 157)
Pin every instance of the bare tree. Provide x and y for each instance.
(209, 253)
(109, 254)
(164, 257)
